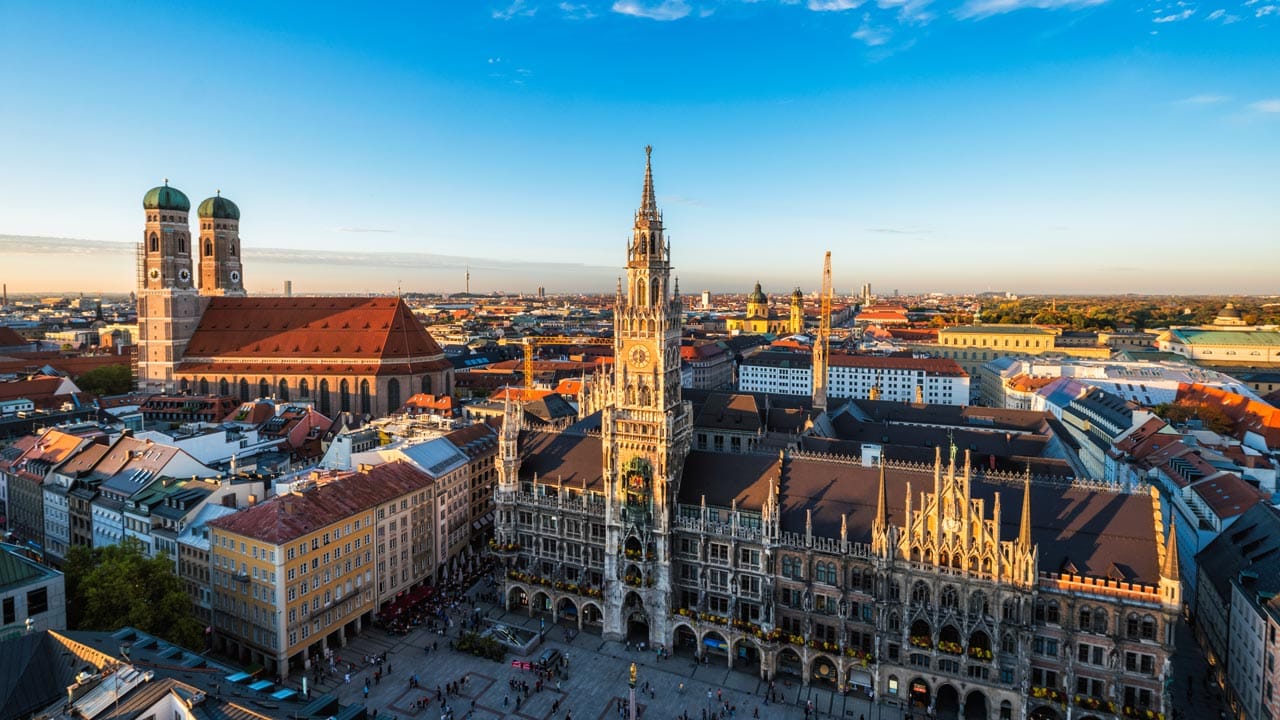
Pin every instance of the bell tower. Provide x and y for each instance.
(646, 430)
(220, 266)
(168, 304)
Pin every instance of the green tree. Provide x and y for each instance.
(110, 587)
(107, 380)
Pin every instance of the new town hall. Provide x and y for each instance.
(939, 586)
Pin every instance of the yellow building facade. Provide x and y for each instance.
(294, 577)
(760, 320)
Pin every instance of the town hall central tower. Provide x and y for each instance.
(646, 429)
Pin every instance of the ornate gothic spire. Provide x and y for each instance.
(1024, 528)
(648, 203)
(882, 512)
(1170, 569)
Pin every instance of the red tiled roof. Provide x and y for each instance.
(1246, 415)
(1227, 494)
(297, 332)
(520, 394)
(10, 338)
(287, 517)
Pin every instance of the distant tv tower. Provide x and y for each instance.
(468, 279)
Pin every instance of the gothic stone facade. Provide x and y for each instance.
(982, 595)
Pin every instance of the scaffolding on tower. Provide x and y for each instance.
(822, 346)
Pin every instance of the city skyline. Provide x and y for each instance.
(1129, 142)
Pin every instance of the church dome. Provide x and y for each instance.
(797, 295)
(163, 197)
(757, 296)
(1229, 311)
(219, 208)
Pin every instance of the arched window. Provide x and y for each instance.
(264, 388)
(895, 624)
(393, 395)
(1100, 621)
(224, 388)
(366, 406)
(344, 396)
(231, 249)
(244, 390)
(304, 390)
(155, 243)
(324, 397)
(978, 605)
(950, 598)
(1009, 644)
(1086, 620)
(640, 292)
(184, 386)
(1009, 611)
(656, 293)
(208, 248)
(204, 386)
(920, 593)
(426, 384)
(1148, 628)
(182, 244)
(284, 389)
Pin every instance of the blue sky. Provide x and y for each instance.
(1033, 145)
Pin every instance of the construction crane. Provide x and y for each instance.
(529, 343)
(822, 346)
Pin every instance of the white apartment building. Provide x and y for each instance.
(785, 373)
(863, 377)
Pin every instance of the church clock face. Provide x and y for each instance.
(184, 275)
(235, 276)
(154, 274)
(639, 356)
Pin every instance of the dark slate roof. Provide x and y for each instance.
(35, 673)
(1093, 530)
(566, 457)
(729, 411)
(951, 415)
(1251, 543)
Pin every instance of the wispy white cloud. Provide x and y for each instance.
(1175, 17)
(909, 11)
(978, 9)
(1222, 15)
(1269, 106)
(1266, 10)
(663, 11)
(1202, 99)
(871, 34)
(576, 11)
(834, 5)
(517, 8)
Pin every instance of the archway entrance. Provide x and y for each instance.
(947, 706)
(975, 706)
(685, 641)
(1044, 712)
(918, 693)
(789, 663)
(823, 672)
(860, 682)
(567, 612)
(516, 598)
(541, 603)
(635, 618)
(592, 618)
(746, 657)
(714, 644)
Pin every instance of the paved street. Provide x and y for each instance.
(597, 679)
